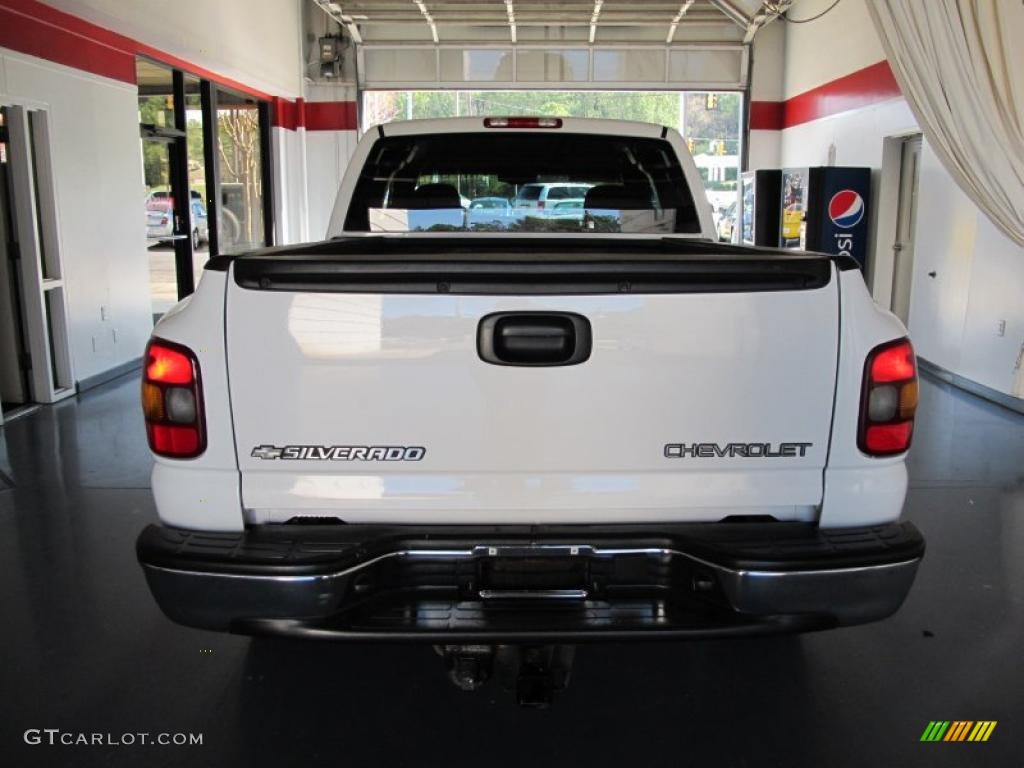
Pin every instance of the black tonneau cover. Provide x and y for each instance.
(517, 265)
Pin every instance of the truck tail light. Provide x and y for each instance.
(172, 401)
(522, 122)
(888, 399)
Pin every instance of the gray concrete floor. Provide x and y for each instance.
(85, 649)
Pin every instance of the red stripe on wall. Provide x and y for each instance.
(34, 28)
(858, 89)
(287, 114)
(314, 115)
(330, 115)
(862, 88)
(39, 30)
(766, 115)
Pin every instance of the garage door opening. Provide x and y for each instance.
(711, 122)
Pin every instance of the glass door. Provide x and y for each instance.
(161, 232)
(199, 219)
(166, 194)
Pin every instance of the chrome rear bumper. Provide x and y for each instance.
(468, 584)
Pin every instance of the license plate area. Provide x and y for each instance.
(551, 573)
(510, 575)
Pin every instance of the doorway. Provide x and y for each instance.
(15, 384)
(906, 217)
(161, 230)
(205, 168)
(35, 359)
(174, 227)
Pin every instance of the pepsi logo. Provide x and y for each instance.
(846, 208)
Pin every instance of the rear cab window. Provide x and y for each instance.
(425, 183)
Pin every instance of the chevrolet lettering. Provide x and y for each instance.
(736, 450)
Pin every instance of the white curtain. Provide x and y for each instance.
(960, 64)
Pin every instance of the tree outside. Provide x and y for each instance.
(153, 111)
(241, 178)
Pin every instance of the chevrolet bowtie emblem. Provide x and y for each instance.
(266, 452)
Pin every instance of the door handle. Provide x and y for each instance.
(534, 338)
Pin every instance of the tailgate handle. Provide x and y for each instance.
(534, 338)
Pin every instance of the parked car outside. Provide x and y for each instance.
(540, 196)
(163, 194)
(489, 212)
(200, 224)
(490, 203)
(159, 219)
(567, 209)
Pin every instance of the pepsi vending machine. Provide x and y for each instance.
(826, 209)
(759, 207)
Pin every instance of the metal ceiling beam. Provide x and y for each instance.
(606, 18)
(535, 21)
(426, 15)
(579, 45)
(734, 12)
(594, 17)
(583, 7)
(517, 14)
(676, 19)
(510, 8)
(521, 24)
(768, 12)
(335, 11)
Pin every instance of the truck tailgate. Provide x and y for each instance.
(359, 393)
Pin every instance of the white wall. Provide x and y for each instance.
(289, 153)
(840, 42)
(255, 43)
(98, 172)
(766, 82)
(979, 274)
(327, 155)
(979, 281)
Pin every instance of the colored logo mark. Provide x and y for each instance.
(958, 730)
(846, 208)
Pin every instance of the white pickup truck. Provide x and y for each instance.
(487, 425)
